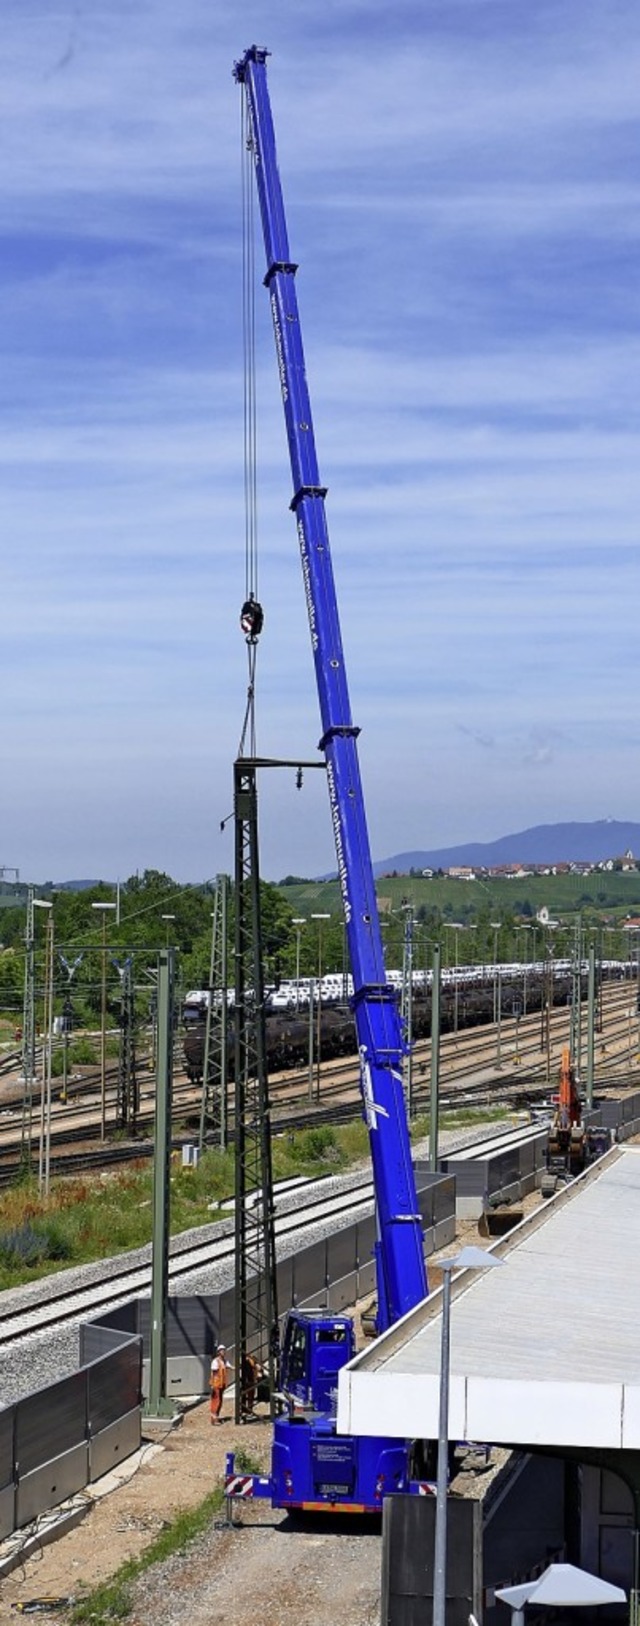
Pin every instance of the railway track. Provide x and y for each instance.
(61, 1301)
(469, 1073)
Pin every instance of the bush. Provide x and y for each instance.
(33, 1244)
(320, 1145)
(83, 1051)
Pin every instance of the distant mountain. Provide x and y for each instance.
(75, 886)
(543, 844)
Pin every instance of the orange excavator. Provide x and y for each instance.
(571, 1146)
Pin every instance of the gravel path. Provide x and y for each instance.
(267, 1570)
(270, 1570)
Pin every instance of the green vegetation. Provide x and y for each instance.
(81, 1053)
(247, 1462)
(145, 901)
(94, 1217)
(114, 1599)
(602, 899)
(97, 1216)
(36, 1243)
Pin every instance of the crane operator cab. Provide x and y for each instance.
(315, 1347)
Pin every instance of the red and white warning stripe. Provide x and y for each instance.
(238, 1485)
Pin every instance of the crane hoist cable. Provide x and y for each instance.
(251, 614)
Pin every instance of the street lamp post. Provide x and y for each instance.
(103, 909)
(469, 1259)
(495, 927)
(311, 1021)
(28, 1033)
(298, 921)
(434, 1106)
(454, 926)
(320, 919)
(457, 926)
(523, 930)
(550, 946)
(67, 1018)
(47, 1024)
(591, 1023)
(407, 1006)
(168, 919)
(499, 1022)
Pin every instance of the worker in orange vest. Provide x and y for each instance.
(218, 1380)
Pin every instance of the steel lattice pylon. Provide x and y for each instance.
(213, 1109)
(256, 1310)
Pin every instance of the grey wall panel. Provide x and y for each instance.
(365, 1240)
(124, 1318)
(114, 1444)
(426, 1178)
(315, 1301)
(366, 1279)
(284, 1276)
(192, 1326)
(7, 1511)
(445, 1232)
(429, 1241)
(343, 1292)
(470, 1181)
(504, 1169)
(7, 1421)
(541, 1143)
(527, 1158)
(341, 1254)
(113, 1386)
(426, 1205)
(226, 1318)
(144, 1322)
(309, 1272)
(97, 1340)
(50, 1422)
(408, 1526)
(444, 1196)
(626, 1130)
(188, 1375)
(52, 1483)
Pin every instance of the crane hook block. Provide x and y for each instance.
(251, 619)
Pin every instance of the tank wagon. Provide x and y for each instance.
(287, 1031)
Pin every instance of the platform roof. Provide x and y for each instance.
(543, 1352)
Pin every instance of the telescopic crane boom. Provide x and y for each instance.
(312, 1465)
(401, 1276)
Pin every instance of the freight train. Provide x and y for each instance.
(470, 1003)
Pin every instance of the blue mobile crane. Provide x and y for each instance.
(313, 1466)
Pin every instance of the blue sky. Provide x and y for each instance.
(461, 182)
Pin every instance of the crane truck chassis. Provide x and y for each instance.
(312, 1465)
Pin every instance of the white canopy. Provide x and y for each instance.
(563, 1585)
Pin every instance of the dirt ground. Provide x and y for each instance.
(173, 1476)
(320, 1572)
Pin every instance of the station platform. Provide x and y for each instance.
(544, 1353)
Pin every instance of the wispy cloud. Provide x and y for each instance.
(463, 200)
